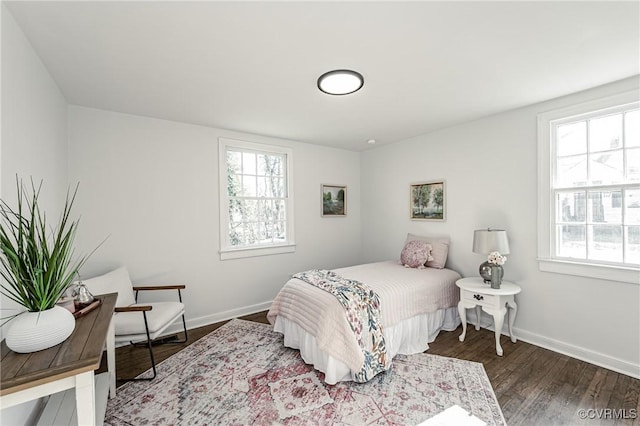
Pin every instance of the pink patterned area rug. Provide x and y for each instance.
(242, 374)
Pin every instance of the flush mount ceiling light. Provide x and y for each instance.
(340, 82)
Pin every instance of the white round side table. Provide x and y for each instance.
(497, 302)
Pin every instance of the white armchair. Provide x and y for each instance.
(138, 323)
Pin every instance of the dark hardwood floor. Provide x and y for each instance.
(534, 386)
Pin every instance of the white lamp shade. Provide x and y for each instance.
(487, 240)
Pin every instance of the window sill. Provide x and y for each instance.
(590, 270)
(256, 251)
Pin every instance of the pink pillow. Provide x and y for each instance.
(439, 250)
(415, 254)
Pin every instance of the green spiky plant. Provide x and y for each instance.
(37, 263)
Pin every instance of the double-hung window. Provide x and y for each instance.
(589, 187)
(256, 203)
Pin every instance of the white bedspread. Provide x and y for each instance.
(404, 293)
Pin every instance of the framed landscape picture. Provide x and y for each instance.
(334, 200)
(427, 200)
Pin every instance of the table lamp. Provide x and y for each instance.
(486, 241)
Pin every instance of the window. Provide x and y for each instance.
(256, 205)
(589, 170)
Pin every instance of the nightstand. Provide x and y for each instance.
(474, 293)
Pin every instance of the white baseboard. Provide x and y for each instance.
(219, 316)
(583, 354)
(599, 359)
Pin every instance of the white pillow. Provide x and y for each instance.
(116, 281)
(439, 249)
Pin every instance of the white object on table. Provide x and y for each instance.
(453, 416)
(497, 302)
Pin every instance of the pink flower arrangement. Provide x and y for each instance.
(495, 258)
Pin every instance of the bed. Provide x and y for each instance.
(415, 305)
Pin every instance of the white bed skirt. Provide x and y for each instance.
(407, 337)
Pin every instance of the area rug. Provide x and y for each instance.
(241, 374)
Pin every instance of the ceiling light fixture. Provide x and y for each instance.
(340, 82)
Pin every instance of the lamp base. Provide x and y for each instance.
(485, 271)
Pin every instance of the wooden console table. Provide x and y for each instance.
(69, 365)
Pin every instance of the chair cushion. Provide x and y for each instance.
(130, 325)
(117, 281)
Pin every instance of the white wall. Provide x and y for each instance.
(34, 141)
(151, 187)
(34, 119)
(490, 171)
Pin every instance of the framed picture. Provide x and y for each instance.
(334, 200)
(428, 200)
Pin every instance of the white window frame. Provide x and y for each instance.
(227, 251)
(546, 204)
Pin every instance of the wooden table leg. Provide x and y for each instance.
(498, 321)
(512, 317)
(111, 359)
(86, 399)
(463, 317)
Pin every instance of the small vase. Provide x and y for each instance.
(36, 331)
(496, 276)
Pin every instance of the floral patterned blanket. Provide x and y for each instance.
(362, 307)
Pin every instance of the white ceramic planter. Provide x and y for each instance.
(35, 331)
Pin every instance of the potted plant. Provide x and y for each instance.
(37, 266)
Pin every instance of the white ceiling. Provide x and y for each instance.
(253, 66)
